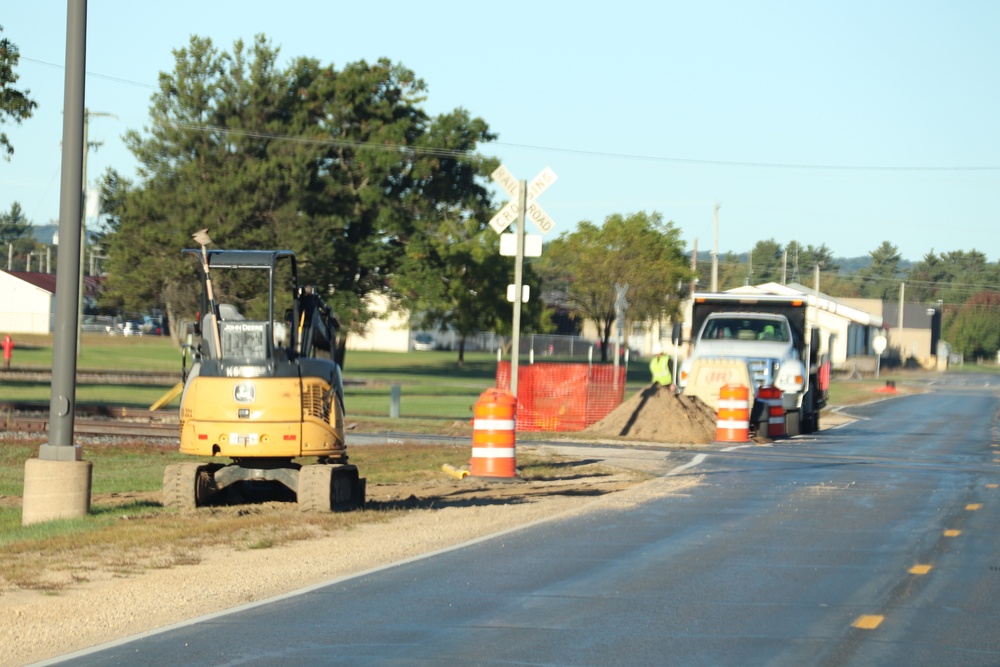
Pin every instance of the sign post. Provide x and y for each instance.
(621, 305)
(522, 200)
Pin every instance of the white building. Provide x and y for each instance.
(387, 331)
(28, 304)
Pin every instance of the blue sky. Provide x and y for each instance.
(847, 123)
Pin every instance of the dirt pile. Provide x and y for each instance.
(657, 414)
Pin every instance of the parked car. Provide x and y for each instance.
(423, 342)
(132, 328)
(128, 328)
(91, 324)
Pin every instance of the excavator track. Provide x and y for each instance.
(187, 486)
(330, 487)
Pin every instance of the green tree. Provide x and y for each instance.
(975, 329)
(965, 273)
(924, 279)
(641, 250)
(17, 239)
(342, 167)
(765, 258)
(837, 285)
(801, 262)
(732, 273)
(13, 224)
(881, 278)
(15, 105)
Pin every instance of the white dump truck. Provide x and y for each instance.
(765, 340)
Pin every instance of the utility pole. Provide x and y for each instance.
(694, 267)
(902, 350)
(715, 250)
(59, 459)
(515, 341)
(784, 267)
(83, 215)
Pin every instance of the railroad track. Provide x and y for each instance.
(93, 377)
(114, 422)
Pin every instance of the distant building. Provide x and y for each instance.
(387, 331)
(918, 338)
(29, 304)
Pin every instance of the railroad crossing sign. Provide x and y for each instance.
(522, 201)
(512, 210)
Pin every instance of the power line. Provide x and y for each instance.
(96, 75)
(754, 165)
(788, 166)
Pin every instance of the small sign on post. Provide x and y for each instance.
(879, 344)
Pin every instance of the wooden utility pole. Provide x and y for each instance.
(694, 266)
(902, 350)
(715, 250)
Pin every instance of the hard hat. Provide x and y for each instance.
(657, 348)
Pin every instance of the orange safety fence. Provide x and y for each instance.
(563, 397)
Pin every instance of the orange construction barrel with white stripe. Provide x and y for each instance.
(772, 398)
(733, 416)
(493, 435)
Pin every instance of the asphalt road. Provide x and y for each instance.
(870, 544)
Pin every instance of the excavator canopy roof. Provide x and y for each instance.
(236, 259)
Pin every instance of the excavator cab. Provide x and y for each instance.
(263, 391)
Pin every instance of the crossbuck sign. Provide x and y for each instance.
(512, 210)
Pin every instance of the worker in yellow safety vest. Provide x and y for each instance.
(659, 367)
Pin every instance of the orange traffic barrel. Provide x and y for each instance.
(493, 435)
(772, 398)
(733, 416)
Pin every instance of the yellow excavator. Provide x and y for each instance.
(263, 391)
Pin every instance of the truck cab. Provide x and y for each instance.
(767, 343)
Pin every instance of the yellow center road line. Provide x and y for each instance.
(952, 533)
(867, 621)
(920, 569)
(992, 486)
(972, 507)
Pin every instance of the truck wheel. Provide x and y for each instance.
(810, 423)
(325, 488)
(185, 485)
(793, 425)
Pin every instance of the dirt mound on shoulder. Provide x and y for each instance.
(656, 414)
